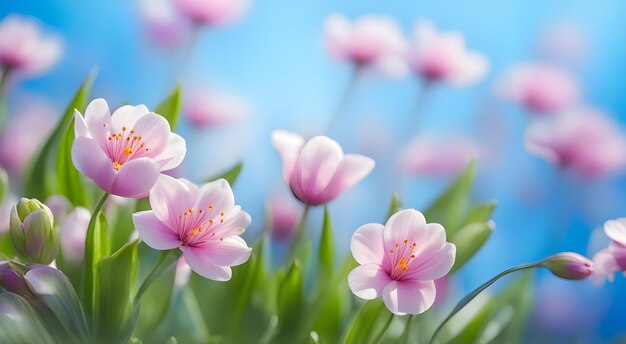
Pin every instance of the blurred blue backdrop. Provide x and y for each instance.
(275, 60)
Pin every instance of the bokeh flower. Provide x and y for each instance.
(23, 47)
(372, 42)
(442, 57)
(540, 88)
(284, 216)
(163, 24)
(586, 141)
(400, 261)
(211, 109)
(612, 259)
(427, 156)
(124, 153)
(73, 231)
(203, 222)
(317, 170)
(213, 12)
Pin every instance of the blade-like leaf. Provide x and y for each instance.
(469, 240)
(230, 175)
(290, 302)
(480, 213)
(395, 205)
(19, 322)
(96, 247)
(170, 107)
(365, 323)
(68, 179)
(327, 249)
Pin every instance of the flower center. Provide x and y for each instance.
(401, 258)
(125, 146)
(200, 225)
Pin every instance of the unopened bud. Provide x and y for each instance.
(569, 265)
(33, 234)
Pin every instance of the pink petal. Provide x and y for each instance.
(230, 251)
(200, 262)
(91, 161)
(408, 224)
(80, 127)
(367, 244)
(351, 170)
(429, 265)
(235, 222)
(288, 146)
(97, 117)
(136, 178)
(368, 281)
(154, 232)
(169, 198)
(337, 35)
(155, 131)
(173, 154)
(616, 230)
(127, 116)
(604, 265)
(217, 194)
(409, 296)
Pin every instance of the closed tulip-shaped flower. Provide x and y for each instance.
(317, 170)
(569, 265)
(125, 152)
(203, 222)
(33, 234)
(400, 261)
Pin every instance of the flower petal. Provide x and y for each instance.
(80, 127)
(616, 230)
(155, 131)
(127, 116)
(431, 265)
(97, 118)
(230, 251)
(235, 222)
(604, 266)
(91, 161)
(351, 170)
(154, 232)
(367, 244)
(169, 198)
(200, 262)
(216, 194)
(409, 296)
(288, 146)
(173, 154)
(136, 178)
(368, 281)
(408, 224)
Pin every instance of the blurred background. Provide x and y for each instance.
(270, 70)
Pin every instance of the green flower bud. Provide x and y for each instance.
(33, 234)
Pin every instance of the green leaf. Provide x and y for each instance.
(68, 181)
(327, 249)
(450, 206)
(19, 322)
(469, 240)
(114, 318)
(96, 247)
(37, 179)
(122, 226)
(6, 247)
(366, 322)
(155, 302)
(170, 107)
(395, 205)
(230, 175)
(480, 213)
(290, 302)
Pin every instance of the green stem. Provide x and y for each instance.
(382, 332)
(301, 231)
(4, 79)
(157, 269)
(407, 330)
(469, 297)
(90, 255)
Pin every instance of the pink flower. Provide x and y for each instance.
(59, 205)
(209, 109)
(369, 41)
(425, 156)
(612, 259)
(203, 222)
(73, 231)
(284, 216)
(20, 139)
(400, 261)
(569, 265)
(442, 57)
(586, 141)
(541, 88)
(213, 12)
(163, 24)
(124, 153)
(24, 49)
(317, 170)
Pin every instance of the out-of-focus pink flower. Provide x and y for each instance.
(213, 12)
(124, 153)
(163, 23)
(442, 57)
(24, 49)
(20, 139)
(612, 259)
(370, 41)
(564, 42)
(317, 170)
(183, 273)
(541, 88)
(73, 231)
(284, 216)
(60, 206)
(400, 261)
(210, 109)
(426, 156)
(203, 222)
(586, 141)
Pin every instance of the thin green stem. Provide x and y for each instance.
(407, 330)
(469, 297)
(92, 253)
(382, 332)
(158, 267)
(301, 231)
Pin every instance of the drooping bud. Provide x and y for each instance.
(569, 265)
(33, 234)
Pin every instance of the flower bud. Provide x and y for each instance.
(33, 234)
(569, 265)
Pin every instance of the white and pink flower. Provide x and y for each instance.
(213, 12)
(427, 156)
(210, 109)
(612, 259)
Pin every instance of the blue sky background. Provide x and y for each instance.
(275, 60)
